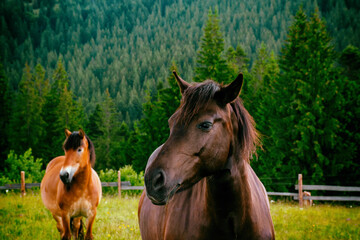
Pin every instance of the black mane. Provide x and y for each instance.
(74, 141)
(248, 136)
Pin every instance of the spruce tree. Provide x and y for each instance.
(237, 59)
(153, 129)
(211, 63)
(308, 102)
(107, 143)
(61, 111)
(5, 111)
(350, 127)
(27, 124)
(94, 123)
(260, 102)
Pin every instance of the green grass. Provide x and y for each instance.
(316, 222)
(27, 218)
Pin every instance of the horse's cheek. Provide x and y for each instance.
(217, 153)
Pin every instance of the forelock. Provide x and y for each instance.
(73, 141)
(195, 98)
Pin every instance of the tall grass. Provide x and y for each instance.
(27, 218)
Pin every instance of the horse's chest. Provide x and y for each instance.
(81, 207)
(197, 223)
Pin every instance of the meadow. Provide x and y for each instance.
(27, 218)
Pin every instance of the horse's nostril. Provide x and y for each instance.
(159, 180)
(64, 177)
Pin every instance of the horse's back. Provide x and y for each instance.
(50, 181)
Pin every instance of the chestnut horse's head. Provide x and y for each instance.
(210, 126)
(79, 155)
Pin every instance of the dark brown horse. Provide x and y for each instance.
(71, 189)
(199, 183)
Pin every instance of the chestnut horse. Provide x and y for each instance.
(199, 183)
(71, 189)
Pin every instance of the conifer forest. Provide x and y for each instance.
(106, 66)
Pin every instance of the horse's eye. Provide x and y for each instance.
(79, 150)
(205, 126)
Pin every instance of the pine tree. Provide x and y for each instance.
(260, 102)
(123, 149)
(308, 102)
(259, 68)
(153, 129)
(5, 107)
(109, 135)
(27, 124)
(350, 127)
(61, 111)
(106, 144)
(211, 63)
(237, 59)
(94, 123)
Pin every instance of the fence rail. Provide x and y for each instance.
(126, 185)
(282, 194)
(115, 184)
(121, 185)
(330, 198)
(329, 188)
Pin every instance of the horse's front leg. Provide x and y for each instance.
(59, 223)
(89, 223)
(66, 227)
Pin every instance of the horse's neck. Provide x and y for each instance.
(82, 178)
(228, 190)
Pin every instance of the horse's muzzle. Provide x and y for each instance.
(65, 177)
(157, 188)
(67, 173)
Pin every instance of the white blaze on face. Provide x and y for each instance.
(71, 170)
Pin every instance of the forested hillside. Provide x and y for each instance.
(127, 47)
(106, 66)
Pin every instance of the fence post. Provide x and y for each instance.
(22, 184)
(300, 182)
(119, 183)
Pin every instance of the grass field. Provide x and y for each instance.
(27, 218)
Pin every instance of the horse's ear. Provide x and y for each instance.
(182, 84)
(230, 92)
(81, 133)
(67, 133)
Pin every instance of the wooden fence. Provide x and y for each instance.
(300, 187)
(126, 185)
(121, 185)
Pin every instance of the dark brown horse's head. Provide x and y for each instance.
(79, 154)
(209, 127)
